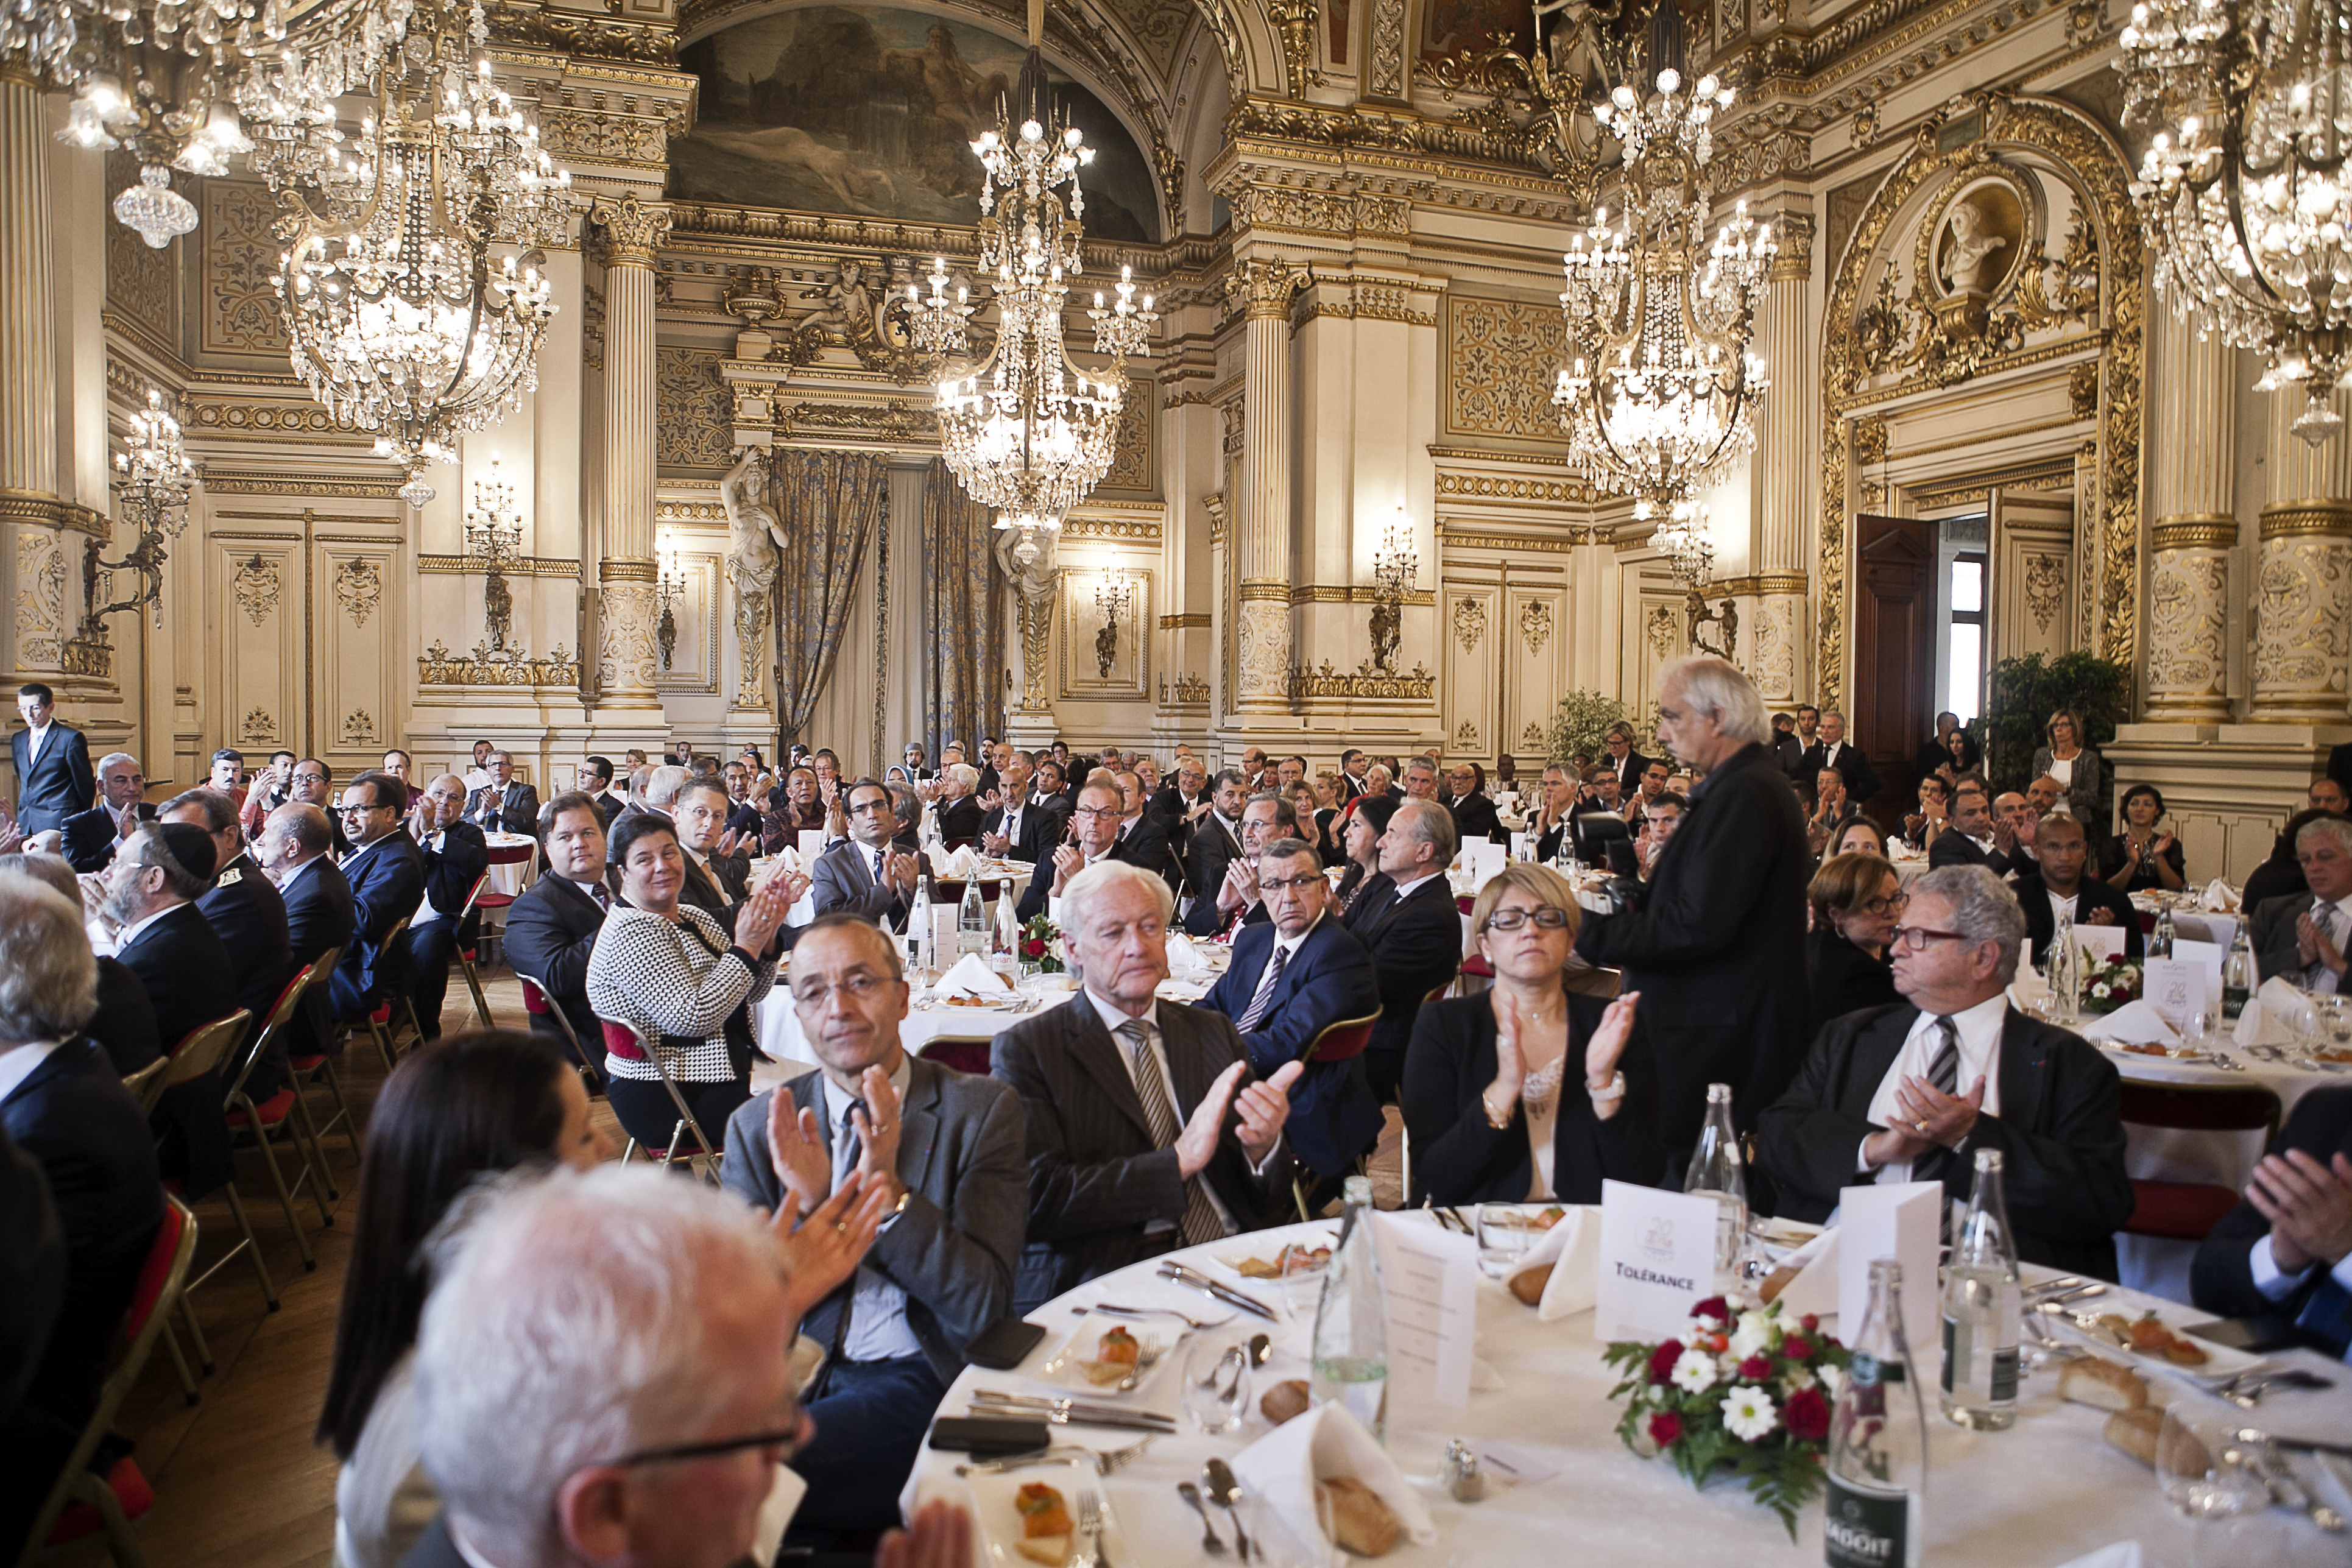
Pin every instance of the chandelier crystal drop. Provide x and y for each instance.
(1026, 432)
(2244, 190)
(402, 318)
(1660, 390)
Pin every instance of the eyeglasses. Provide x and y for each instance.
(353, 810)
(309, 778)
(859, 986)
(1295, 884)
(787, 1440)
(1097, 811)
(1915, 939)
(1881, 906)
(1512, 920)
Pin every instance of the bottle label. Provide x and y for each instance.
(1865, 1529)
(2004, 1377)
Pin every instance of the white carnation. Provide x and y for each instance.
(1753, 1335)
(1749, 1414)
(1693, 1372)
(1831, 1375)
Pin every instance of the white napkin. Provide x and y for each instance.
(963, 865)
(1184, 959)
(1283, 1466)
(939, 857)
(2133, 1024)
(1815, 1288)
(2268, 1018)
(1572, 1249)
(776, 1511)
(2218, 898)
(2121, 1554)
(973, 977)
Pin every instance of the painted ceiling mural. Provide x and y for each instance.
(870, 111)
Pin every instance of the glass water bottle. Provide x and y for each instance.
(1351, 1319)
(1878, 1441)
(1715, 1171)
(1983, 1309)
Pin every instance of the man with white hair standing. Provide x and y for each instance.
(506, 805)
(603, 1375)
(1716, 943)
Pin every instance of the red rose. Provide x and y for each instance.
(1714, 1307)
(1807, 1415)
(1663, 1359)
(1756, 1368)
(1809, 1323)
(1667, 1427)
(1796, 1347)
(1034, 948)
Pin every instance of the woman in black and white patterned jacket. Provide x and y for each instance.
(683, 980)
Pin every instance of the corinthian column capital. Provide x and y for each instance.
(628, 231)
(1793, 237)
(1264, 286)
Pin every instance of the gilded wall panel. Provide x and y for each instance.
(239, 296)
(1477, 643)
(1106, 649)
(256, 637)
(694, 415)
(1503, 359)
(358, 681)
(40, 612)
(1132, 469)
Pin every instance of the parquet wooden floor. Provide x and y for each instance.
(238, 1483)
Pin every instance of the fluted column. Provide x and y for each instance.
(2196, 477)
(28, 349)
(2303, 575)
(1786, 482)
(1262, 522)
(630, 232)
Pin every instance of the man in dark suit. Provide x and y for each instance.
(1976, 837)
(1146, 1139)
(1021, 827)
(941, 1152)
(552, 929)
(1216, 835)
(2302, 938)
(1717, 946)
(1181, 801)
(314, 784)
(90, 836)
(1835, 751)
(1290, 979)
(1406, 918)
(846, 879)
(1911, 1092)
(1622, 762)
(54, 778)
(957, 809)
(1141, 840)
(163, 939)
(61, 1103)
(244, 910)
(455, 856)
(507, 804)
(1094, 837)
(386, 871)
(2287, 1249)
(596, 781)
(1234, 902)
(297, 851)
(2061, 849)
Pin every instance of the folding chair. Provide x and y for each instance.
(539, 1002)
(467, 954)
(1334, 1042)
(282, 1112)
(146, 1083)
(79, 1502)
(494, 902)
(205, 1048)
(965, 1055)
(311, 1067)
(2188, 1211)
(379, 1021)
(621, 1039)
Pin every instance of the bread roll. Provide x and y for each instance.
(1285, 1400)
(2134, 1431)
(1053, 1550)
(1528, 1284)
(2102, 1385)
(1361, 1522)
(1780, 1279)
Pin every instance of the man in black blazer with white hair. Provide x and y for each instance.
(1154, 1138)
(1914, 1092)
(1716, 943)
(1407, 919)
(54, 778)
(90, 836)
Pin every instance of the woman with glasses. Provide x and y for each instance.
(683, 981)
(1528, 1091)
(1856, 899)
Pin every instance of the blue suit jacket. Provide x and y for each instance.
(59, 785)
(1333, 1115)
(387, 883)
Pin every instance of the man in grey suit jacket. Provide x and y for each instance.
(843, 880)
(946, 1149)
(2302, 938)
(1145, 1142)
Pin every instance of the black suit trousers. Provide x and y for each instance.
(431, 950)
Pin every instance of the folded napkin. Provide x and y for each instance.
(2121, 1554)
(963, 865)
(1184, 959)
(1571, 1250)
(2272, 1015)
(1815, 1288)
(2218, 898)
(1283, 1466)
(973, 977)
(2133, 1024)
(940, 861)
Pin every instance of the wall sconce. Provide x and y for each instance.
(156, 477)
(671, 588)
(1111, 597)
(1394, 569)
(494, 544)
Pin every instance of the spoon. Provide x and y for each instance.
(1261, 1349)
(1211, 1542)
(1222, 1490)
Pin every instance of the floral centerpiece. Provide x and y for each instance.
(1041, 944)
(2108, 984)
(1744, 1391)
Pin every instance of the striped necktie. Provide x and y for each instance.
(1264, 998)
(1944, 1072)
(2323, 923)
(1200, 1223)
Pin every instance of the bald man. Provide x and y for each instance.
(456, 856)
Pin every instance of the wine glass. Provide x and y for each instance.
(2211, 1470)
(1506, 1231)
(1216, 1381)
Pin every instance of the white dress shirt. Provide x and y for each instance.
(130, 934)
(878, 1330)
(1980, 1031)
(425, 913)
(1112, 1019)
(33, 739)
(2339, 933)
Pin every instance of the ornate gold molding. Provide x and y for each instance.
(1141, 529)
(1761, 584)
(626, 570)
(49, 511)
(629, 232)
(327, 486)
(436, 666)
(1272, 589)
(529, 566)
(2305, 519)
(1455, 536)
(1354, 594)
(1191, 692)
(1263, 287)
(1504, 486)
(895, 423)
(583, 37)
(1189, 618)
(254, 420)
(1310, 685)
(2194, 531)
(1793, 233)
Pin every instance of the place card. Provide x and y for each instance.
(2207, 956)
(1902, 1220)
(2174, 987)
(1657, 1261)
(811, 845)
(1431, 1277)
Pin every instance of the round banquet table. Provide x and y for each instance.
(777, 1028)
(2042, 1493)
(508, 876)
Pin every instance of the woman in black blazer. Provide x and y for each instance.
(1480, 1067)
(1857, 899)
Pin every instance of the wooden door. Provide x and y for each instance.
(1894, 653)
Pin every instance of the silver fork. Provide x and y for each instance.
(1089, 1532)
(1060, 1453)
(1198, 1325)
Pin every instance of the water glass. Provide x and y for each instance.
(1506, 1231)
(2197, 1029)
(1216, 1381)
(2209, 1466)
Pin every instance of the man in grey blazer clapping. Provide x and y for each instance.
(1146, 1132)
(945, 1151)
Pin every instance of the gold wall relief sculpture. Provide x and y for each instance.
(42, 627)
(240, 304)
(359, 730)
(436, 666)
(1191, 688)
(258, 729)
(359, 589)
(694, 414)
(1327, 684)
(1535, 624)
(1504, 357)
(1466, 736)
(2045, 586)
(1469, 622)
(257, 587)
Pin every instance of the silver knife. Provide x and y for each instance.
(1064, 1410)
(1220, 1291)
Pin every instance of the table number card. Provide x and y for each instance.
(2103, 943)
(2174, 987)
(812, 846)
(2205, 955)
(1901, 1220)
(1431, 1277)
(1657, 1261)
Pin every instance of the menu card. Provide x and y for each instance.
(1902, 1220)
(2207, 956)
(1431, 1276)
(1657, 1261)
(2174, 987)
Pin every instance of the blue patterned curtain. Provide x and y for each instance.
(964, 677)
(830, 505)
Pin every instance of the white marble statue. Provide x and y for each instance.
(755, 542)
(1969, 264)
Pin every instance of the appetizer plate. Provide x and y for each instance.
(1003, 1527)
(2221, 1365)
(1156, 1340)
(1289, 1261)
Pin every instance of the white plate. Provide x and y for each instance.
(1159, 1339)
(2221, 1365)
(1000, 1519)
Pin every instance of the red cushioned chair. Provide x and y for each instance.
(468, 954)
(539, 1002)
(621, 1039)
(491, 902)
(1334, 1043)
(80, 1503)
(2188, 1211)
(959, 1056)
(313, 1067)
(380, 1026)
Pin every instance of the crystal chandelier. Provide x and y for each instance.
(402, 321)
(153, 475)
(2244, 191)
(1026, 432)
(1660, 389)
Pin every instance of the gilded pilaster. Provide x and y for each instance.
(2189, 541)
(630, 232)
(2303, 583)
(1262, 554)
(1785, 466)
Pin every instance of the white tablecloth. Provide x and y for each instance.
(2042, 1493)
(777, 1028)
(507, 878)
